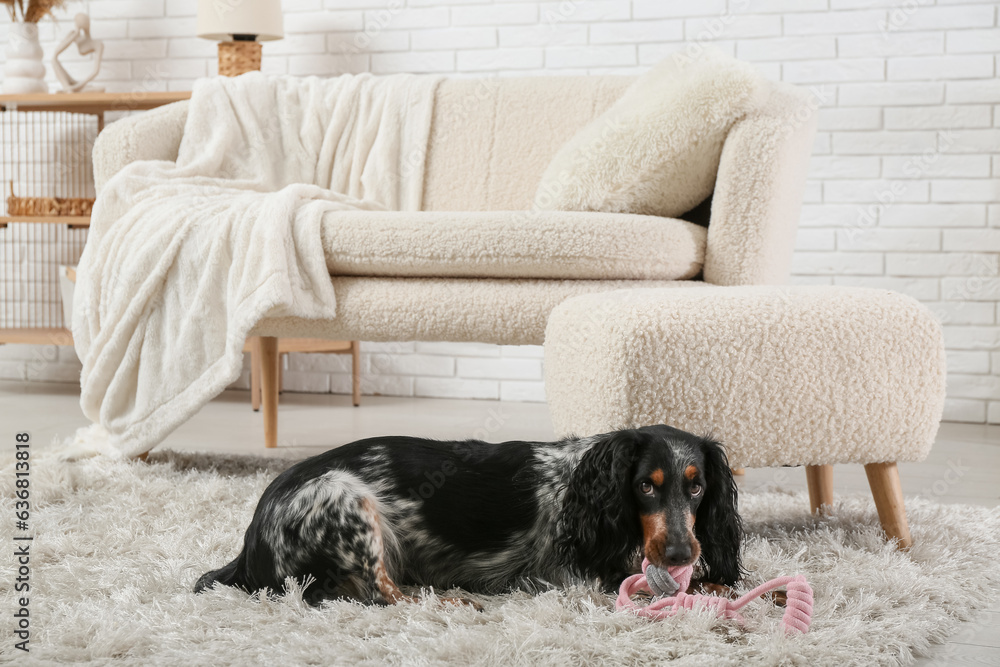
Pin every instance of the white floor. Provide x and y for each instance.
(964, 466)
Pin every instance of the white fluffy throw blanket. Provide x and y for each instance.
(185, 258)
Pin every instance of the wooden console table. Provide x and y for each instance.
(35, 171)
(27, 168)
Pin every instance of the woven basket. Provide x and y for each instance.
(49, 206)
(235, 58)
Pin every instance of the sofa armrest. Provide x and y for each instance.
(758, 192)
(151, 135)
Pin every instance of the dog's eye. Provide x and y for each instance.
(646, 488)
(696, 490)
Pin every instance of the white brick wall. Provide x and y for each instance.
(904, 182)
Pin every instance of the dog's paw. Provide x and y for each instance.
(460, 602)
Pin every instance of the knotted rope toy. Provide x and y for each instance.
(674, 581)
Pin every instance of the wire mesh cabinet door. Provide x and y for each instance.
(47, 176)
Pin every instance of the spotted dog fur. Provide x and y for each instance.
(361, 519)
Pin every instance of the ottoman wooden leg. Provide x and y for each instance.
(820, 481)
(269, 362)
(883, 478)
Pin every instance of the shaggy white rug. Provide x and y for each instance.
(119, 545)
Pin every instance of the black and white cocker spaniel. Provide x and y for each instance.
(362, 518)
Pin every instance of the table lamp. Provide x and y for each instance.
(240, 26)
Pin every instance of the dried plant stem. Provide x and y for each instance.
(12, 7)
(35, 10)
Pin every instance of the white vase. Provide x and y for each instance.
(24, 71)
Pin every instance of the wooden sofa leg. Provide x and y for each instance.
(269, 360)
(255, 373)
(356, 372)
(820, 482)
(883, 478)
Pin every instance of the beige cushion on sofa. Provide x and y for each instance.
(656, 150)
(512, 244)
(502, 311)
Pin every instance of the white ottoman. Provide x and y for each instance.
(781, 375)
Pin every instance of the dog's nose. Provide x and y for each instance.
(677, 554)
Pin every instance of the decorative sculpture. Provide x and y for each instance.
(86, 45)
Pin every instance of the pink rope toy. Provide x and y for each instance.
(798, 609)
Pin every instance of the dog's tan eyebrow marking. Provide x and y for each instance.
(657, 477)
(691, 472)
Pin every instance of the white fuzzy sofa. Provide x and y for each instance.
(478, 263)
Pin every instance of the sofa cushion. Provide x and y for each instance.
(656, 151)
(512, 244)
(476, 310)
(492, 138)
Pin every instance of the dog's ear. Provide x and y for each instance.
(718, 525)
(599, 528)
